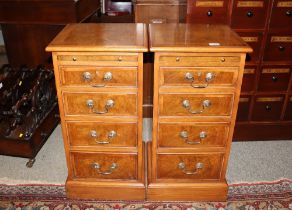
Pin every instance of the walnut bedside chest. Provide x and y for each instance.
(99, 79)
(198, 73)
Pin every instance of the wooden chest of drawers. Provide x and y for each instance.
(198, 72)
(99, 77)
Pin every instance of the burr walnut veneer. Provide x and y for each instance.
(198, 72)
(99, 78)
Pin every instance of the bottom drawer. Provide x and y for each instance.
(105, 166)
(189, 166)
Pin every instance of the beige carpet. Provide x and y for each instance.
(249, 162)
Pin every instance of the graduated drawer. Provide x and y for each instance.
(99, 57)
(199, 77)
(100, 104)
(192, 134)
(95, 76)
(104, 165)
(195, 104)
(189, 166)
(102, 134)
(199, 60)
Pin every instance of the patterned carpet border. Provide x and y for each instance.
(243, 196)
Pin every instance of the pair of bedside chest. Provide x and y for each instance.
(99, 77)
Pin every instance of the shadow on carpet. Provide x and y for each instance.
(243, 196)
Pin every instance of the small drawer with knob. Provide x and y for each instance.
(98, 76)
(102, 134)
(104, 165)
(189, 166)
(267, 107)
(274, 78)
(254, 40)
(288, 111)
(200, 77)
(207, 12)
(99, 58)
(281, 14)
(203, 60)
(249, 14)
(248, 80)
(195, 104)
(243, 108)
(190, 135)
(100, 104)
(278, 47)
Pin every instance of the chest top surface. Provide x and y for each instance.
(195, 38)
(113, 37)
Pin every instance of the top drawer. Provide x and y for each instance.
(113, 59)
(249, 14)
(281, 14)
(199, 60)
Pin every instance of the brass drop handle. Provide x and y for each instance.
(208, 78)
(98, 169)
(109, 104)
(106, 77)
(111, 135)
(185, 136)
(205, 104)
(182, 167)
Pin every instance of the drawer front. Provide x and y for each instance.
(195, 104)
(207, 12)
(249, 14)
(288, 112)
(192, 135)
(279, 47)
(281, 14)
(274, 78)
(98, 76)
(160, 13)
(102, 134)
(195, 166)
(243, 108)
(248, 80)
(267, 108)
(199, 61)
(199, 77)
(105, 166)
(100, 104)
(94, 58)
(254, 40)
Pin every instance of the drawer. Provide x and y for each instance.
(93, 58)
(248, 80)
(207, 12)
(288, 112)
(98, 76)
(279, 47)
(249, 14)
(104, 166)
(195, 104)
(189, 166)
(199, 77)
(192, 135)
(274, 78)
(99, 104)
(199, 61)
(267, 108)
(102, 134)
(243, 108)
(157, 12)
(281, 14)
(254, 40)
